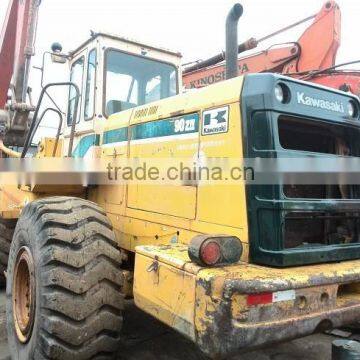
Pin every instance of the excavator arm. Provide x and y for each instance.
(271, 60)
(316, 49)
(345, 80)
(320, 41)
(16, 49)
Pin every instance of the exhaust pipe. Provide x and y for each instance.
(231, 52)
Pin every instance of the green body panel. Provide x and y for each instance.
(116, 135)
(85, 144)
(267, 204)
(185, 124)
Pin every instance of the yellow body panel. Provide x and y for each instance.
(13, 199)
(171, 287)
(162, 214)
(156, 222)
(47, 146)
(209, 305)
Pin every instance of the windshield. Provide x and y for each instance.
(133, 80)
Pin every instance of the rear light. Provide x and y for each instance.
(211, 250)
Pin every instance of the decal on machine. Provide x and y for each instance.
(165, 128)
(215, 121)
(335, 106)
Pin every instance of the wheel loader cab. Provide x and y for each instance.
(115, 74)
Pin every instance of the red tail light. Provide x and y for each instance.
(210, 250)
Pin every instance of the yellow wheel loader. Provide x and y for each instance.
(232, 267)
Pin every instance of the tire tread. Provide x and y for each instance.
(81, 300)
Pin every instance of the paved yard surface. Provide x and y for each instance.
(147, 339)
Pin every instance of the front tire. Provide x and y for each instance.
(64, 282)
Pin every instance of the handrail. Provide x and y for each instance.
(35, 124)
(58, 112)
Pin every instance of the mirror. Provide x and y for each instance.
(57, 56)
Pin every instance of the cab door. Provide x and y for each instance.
(83, 74)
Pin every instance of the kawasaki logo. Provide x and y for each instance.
(320, 103)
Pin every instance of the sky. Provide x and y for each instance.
(193, 27)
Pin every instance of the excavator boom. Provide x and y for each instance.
(17, 46)
(16, 49)
(271, 60)
(316, 49)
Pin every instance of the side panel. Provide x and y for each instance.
(12, 200)
(223, 321)
(230, 198)
(155, 144)
(115, 147)
(154, 293)
(169, 214)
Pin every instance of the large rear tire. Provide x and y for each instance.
(64, 282)
(7, 228)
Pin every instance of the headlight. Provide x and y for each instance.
(279, 94)
(352, 109)
(282, 93)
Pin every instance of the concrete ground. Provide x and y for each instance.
(147, 339)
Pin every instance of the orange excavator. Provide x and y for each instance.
(17, 47)
(311, 58)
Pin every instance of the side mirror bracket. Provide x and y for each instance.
(56, 54)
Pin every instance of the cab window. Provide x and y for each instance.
(89, 106)
(76, 77)
(153, 87)
(133, 80)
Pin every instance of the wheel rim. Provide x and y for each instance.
(23, 295)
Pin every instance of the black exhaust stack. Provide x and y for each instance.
(231, 53)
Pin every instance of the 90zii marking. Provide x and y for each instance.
(182, 125)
